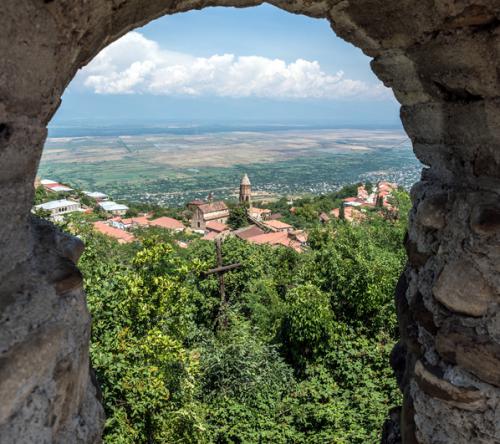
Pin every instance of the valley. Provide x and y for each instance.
(171, 168)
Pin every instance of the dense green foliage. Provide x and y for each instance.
(238, 216)
(303, 357)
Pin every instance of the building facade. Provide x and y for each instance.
(113, 208)
(59, 207)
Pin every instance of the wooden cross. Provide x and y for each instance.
(220, 270)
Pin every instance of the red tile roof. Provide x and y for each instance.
(121, 235)
(277, 225)
(249, 232)
(301, 236)
(216, 226)
(269, 238)
(167, 223)
(352, 214)
(290, 243)
(53, 185)
(210, 236)
(259, 210)
(277, 238)
(142, 221)
(212, 207)
(383, 185)
(352, 199)
(324, 217)
(362, 193)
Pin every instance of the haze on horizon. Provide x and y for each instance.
(228, 65)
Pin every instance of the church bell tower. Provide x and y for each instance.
(245, 190)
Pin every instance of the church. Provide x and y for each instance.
(208, 212)
(205, 212)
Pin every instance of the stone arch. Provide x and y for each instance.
(441, 58)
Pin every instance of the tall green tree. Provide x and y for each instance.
(238, 216)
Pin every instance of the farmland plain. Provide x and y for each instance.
(170, 168)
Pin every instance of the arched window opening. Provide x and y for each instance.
(223, 339)
(245, 205)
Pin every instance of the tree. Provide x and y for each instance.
(142, 316)
(41, 195)
(243, 383)
(368, 187)
(307, 324)
(238, 216)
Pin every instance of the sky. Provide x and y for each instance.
(226, 65)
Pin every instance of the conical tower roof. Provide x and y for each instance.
(245, 180)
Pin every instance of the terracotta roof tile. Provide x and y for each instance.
(352, 214)
(167, 223)
(141, 220)
(277, 224)
(210, 236)
(269, 238)
(121, 235)
(259, 210)
(216, 226)
(324, 217)
(249, 232)
(277, 238)
(212, 207)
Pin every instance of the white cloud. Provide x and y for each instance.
(137, 65)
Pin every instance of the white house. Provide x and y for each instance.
(113, 207)
(59, 207)
(59, 189)
(55, 187)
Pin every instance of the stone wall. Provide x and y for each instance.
(440, 57)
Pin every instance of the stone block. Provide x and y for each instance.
(462, 289)
(431, 212)
(460, 397)
(478, 354)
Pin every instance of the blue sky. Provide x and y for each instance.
(230, 65)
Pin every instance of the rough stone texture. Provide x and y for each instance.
(45, 386)
(475, 353)
(440, 57)
(462, 289)
(433, 385)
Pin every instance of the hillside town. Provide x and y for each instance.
(208, 218)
